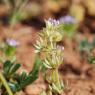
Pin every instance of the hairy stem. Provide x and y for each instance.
(4, 82)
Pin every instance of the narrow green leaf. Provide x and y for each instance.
(14, 68)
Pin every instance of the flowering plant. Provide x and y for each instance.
(53, 55)
(69, 25)
(11, 82)
(8, 49)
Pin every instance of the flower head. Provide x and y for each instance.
(67, 19)
(12, 42)
(53, 21)
(60, 47)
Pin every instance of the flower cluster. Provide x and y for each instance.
(52, 34)
(69, 25)
(67, 19)
(47, 44)
(53, 21)
(12, 42)
(8, 50)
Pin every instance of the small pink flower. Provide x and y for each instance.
(67, 19)
(12, 42)
(60, 48)
(53, 21)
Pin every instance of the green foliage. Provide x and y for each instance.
(11, 81)
(86, 48)
(69, 29)
(17, 81)
(8, 52)
(91, 59)
(10, 68)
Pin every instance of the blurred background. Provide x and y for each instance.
(39, 10)
(23, 20)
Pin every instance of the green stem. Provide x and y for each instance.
(4, 82)
(56, 78)
(17, 11)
